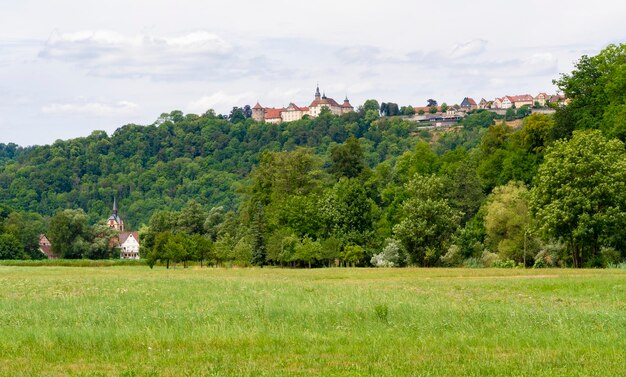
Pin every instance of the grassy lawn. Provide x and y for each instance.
(133, 321)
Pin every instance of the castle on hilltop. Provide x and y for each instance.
(293, 112)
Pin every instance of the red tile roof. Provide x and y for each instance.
(272, 113)
(521, 98)
(257, 106)
(324, 101)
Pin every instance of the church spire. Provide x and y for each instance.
(317, 92)
(114, 206)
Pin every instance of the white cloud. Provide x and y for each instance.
(220, 101)
(91, 108)
(466, 49)
(198, 55)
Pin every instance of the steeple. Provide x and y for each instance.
(114, 221)
(317, 92)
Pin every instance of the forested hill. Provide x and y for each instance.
(164, 165)
(360, 188)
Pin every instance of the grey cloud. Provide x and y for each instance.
(195, 56)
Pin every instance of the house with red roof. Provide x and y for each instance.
(294, 112)
(542, 99)
(45, 246)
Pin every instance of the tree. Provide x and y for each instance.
(214, 220)
(431, 102)
(579, 196)
(347, 159)
(507, 223)
(308, 251)
(237, 115)
(391, 109)
(191, 219)
(347, 213)
(523, 111)
(353, 254)
(596, 90)
(69, 234)
(407, 110)
(384, 111)
(428, 220)
(247, 111)
(371, 104)
(259, 252)
(510, 114)
(10, 247)
(444, 107)
(433, 109)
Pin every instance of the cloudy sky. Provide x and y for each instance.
(70, 67)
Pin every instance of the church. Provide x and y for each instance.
(126, 242)
(294, 112)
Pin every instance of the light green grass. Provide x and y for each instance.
(133, 321)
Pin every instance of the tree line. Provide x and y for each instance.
(358, 189)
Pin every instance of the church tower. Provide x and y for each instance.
(114, 221)
(317, 93)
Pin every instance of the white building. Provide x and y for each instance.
(129, 245)
(294, 112)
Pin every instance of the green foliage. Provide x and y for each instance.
(508, 223)
(579, 196)
(347, 159)
(596, 89)
(11, 247)
(428, 220)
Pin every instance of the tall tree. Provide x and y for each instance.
(579, 196)
(69, 234)
(348, 160)
(428, 220)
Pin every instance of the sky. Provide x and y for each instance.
(68, 68)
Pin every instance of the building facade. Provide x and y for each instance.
(126, 242)
(294, 112)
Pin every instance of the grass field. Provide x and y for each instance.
(133, 321)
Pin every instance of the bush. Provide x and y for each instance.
(610, 256)
(509, 263)
(489, 259)
(453, 257)
(540, 263)
(473, 263)
(391, 256)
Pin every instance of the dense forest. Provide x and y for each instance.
(357, 189)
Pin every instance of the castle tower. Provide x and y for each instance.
(258, 112)
(114, 221)
(317, 93)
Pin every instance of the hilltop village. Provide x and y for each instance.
(452, 113)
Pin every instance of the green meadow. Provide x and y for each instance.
(133, 321)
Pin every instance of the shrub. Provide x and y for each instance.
(489, 259)
(473, 263)
(391, 256)
(509, 263)
(452, 257)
